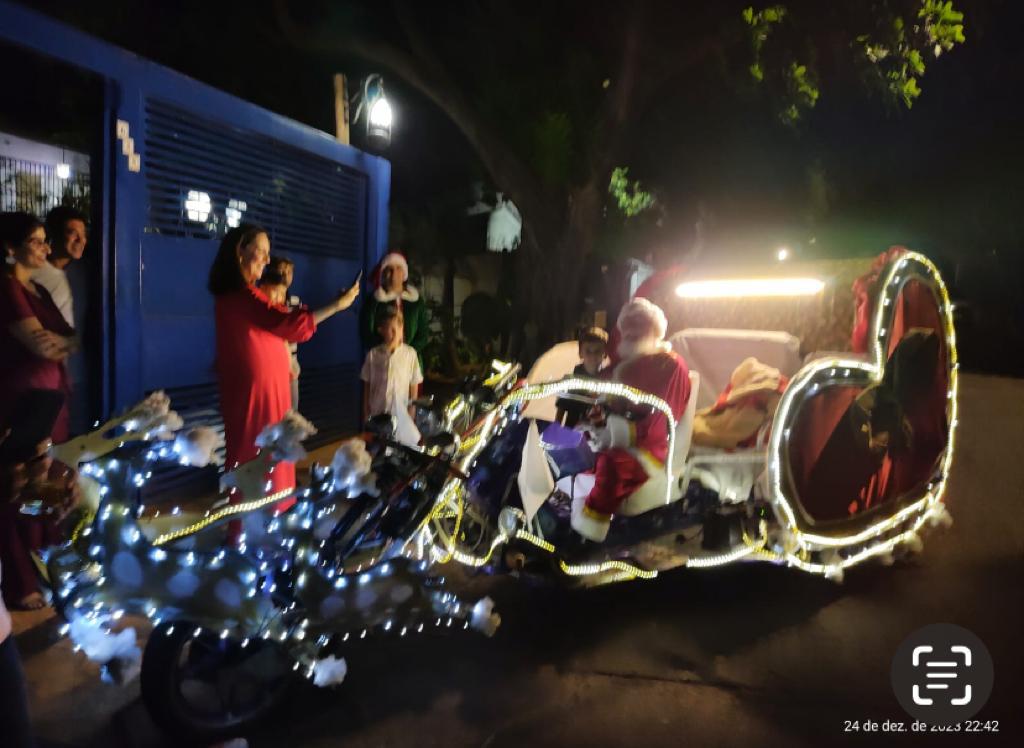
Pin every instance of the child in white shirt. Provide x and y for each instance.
(392, 375)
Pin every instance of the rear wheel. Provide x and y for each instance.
(202, 688)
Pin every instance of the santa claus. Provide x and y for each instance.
(631, 449)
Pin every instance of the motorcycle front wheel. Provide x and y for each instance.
(201, 689)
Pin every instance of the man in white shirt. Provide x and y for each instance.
(65, 229)
(67, 234)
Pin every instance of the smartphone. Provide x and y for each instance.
(31, 422)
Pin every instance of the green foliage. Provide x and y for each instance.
(897, 50)
(435, 358)
(943, 25)
(629, 197)
(894, 52)
(800, 83)
(761, 25)
(484, 320)
(803, 92)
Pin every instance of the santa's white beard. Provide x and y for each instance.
(632, 348)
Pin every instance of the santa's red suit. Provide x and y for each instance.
(634, 450)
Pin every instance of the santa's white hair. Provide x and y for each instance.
(643, 326)
(641, 318)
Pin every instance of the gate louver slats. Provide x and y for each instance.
(310, 205)
(198, 406)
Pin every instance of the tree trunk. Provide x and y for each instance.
(451, 362)
(551, 271)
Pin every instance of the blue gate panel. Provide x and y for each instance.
(308, 203)
(184, 162)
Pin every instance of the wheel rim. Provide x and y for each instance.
(219, 684)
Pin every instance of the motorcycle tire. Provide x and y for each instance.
(175, 653)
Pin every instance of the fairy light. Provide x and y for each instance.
(228, 511)
(450, 508)
(758, 287)
(579, 570)
(451, 499)
(749, 548)
(927, 507)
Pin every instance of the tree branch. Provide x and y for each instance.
(427, 75)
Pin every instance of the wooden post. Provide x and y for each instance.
(341, 108)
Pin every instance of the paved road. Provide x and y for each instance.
(752, 655)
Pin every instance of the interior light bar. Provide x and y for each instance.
(718, 289)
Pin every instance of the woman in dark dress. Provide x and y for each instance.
(35, 341)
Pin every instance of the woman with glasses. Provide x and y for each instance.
(35, 341)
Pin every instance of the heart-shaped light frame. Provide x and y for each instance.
(840, 546)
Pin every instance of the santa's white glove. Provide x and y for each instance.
(599, 438)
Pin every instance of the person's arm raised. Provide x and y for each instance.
(344, 301)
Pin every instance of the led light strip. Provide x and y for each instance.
(477, 443)
(535, 540)
(749, 548)
(540, 391)
(706, 562)
(583, 570)
(748, 287)
(474, 446)
(247, 506)
(927, 506)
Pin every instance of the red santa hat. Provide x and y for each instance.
(640, 319)
(391, 259)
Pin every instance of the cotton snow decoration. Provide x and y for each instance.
(330, 671)
(285, 437)
(118, 652)
(149, 419)
(351, 467)
(196, 446)
(484, 619)
(153, 416)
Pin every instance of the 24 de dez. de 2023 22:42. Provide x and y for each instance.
(891, 726)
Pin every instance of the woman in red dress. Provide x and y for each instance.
(253, 366)
(35, 340)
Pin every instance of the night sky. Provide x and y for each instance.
(947, 170)
(944, 177)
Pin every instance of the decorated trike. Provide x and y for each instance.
(846, 462)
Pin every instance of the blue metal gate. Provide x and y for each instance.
(182, 163)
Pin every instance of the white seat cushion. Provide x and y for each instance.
(715, 354)
(555, 363)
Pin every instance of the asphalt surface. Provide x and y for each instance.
(747, 655)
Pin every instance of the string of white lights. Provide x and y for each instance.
(897, 274)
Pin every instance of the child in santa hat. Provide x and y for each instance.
(392, 288)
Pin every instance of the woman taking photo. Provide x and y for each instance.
(253, 365)
(35, 340)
